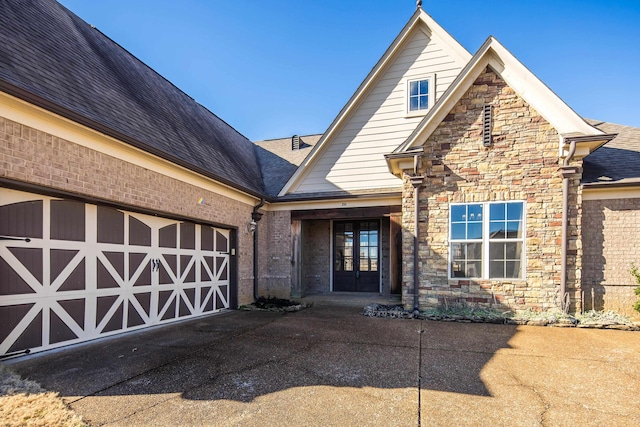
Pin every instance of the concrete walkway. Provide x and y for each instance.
(331, 366)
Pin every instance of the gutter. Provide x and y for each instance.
(591, 143)
(255, 218)
(566, 171)
(416, 182)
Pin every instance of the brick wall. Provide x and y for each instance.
(316, 256)
(275, 255)
(35, 157)
(611, 234)
(520, 165)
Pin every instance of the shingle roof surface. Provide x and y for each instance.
(279, 162)
(49, 52)
(618, 161)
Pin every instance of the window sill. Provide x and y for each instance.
(418, 113)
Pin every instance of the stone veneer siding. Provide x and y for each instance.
(520, 165)
(35, 157)
(611, 234)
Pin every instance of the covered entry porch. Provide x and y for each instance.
(346, 251)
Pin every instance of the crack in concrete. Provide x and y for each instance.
(547, 405)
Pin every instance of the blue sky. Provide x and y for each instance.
(281, 67)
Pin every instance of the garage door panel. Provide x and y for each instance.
(22, 219)
(221, 268)
(67, 220)
(12, 279)
(10, 318)
(168, 310)
(187, 235)
(31, 259)
(115, 317)
(144, 303)
(168, 236)
(222, 241)
(221, 300)
(92, 271)
(110, 225)
(105, 278)
(134, 316)
(139, 232)
(30, 334)
(75, 309)
(140, 269)
(59, 330)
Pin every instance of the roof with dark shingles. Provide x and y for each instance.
(47, 51)
(618, 162)
(279, 161)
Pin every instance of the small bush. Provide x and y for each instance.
(636, 274)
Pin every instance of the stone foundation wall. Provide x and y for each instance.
(521, 164)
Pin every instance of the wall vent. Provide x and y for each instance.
(295, 142)
(486, 125)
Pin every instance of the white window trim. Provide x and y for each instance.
(485, 242)
(431, 78)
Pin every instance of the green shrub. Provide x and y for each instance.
(636, 274)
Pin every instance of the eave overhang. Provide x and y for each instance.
(66, 113)
(406, 160)
(585, 144)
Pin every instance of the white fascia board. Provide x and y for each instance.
(610, 192)
(519, 78)
(418, 18)
(449, 41)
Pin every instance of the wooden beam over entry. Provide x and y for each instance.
(347, 213)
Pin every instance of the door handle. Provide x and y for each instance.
(357, 274)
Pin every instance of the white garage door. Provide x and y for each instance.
(90, 271)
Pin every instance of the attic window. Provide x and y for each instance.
(420, 95)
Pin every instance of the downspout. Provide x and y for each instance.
(416, 181)
(255, 218)
(566, 171)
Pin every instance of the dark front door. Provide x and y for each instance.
(356, 248)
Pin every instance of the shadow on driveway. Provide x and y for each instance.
(333, 366)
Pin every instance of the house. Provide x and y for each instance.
(446, 178)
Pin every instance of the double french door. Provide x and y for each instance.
(356, 255)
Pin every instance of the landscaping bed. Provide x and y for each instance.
(275, 304)
(590, 319)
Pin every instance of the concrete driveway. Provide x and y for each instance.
(330, 365)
